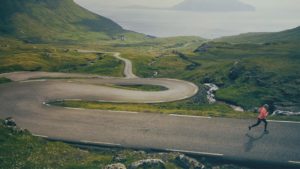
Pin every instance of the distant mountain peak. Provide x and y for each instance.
(213, 6)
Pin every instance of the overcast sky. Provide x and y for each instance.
(260, 4)
(269, 16)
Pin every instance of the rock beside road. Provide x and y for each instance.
(115, 166)
(148, 163)
(188, 162)
(10, 122)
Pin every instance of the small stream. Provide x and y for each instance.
(211, 92)
(212, 99)
(285, 113)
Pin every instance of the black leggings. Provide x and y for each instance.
(259, 121)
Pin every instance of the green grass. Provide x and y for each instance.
(264, 73)
(4, 80)
(54, 58)
(139, 87)
(49, 21)
(248, 74)
(19, 149)
(22, 150)
(180, 108)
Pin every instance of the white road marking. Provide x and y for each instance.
(46, 104)
(37, 135)
(71, 108)
(195, 152)
(100, 143)
(294, 162)
(39, 80)
(159, 101)
(278, 121)
(128, 112)
(177, 115)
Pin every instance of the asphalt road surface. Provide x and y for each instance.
(25, 100)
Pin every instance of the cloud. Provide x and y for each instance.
(126, 3)
(213, 6)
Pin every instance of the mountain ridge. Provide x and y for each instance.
(290, 35)
(48, 20)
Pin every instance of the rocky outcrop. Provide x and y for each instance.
(188, 162)
(119, 158)
(212, 88)
(148, 163)
(115, 166)
(10, 122)
(203, 48)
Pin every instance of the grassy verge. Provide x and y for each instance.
(139, 87)
(181, 108)
(218, 110)
(4, 80)
(19, 149)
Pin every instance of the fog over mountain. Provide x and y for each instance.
(173, 18)
(213, 5)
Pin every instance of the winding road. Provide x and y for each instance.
(25, 98)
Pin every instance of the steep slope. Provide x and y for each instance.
(48, 20)
(253, 74)
(292, 35)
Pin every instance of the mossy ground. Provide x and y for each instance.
(139, 87)
(180, 108)
(4, 80)
(19, 149)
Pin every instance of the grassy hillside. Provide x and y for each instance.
(18, 56)
(292, 35)
(248, 74)
(37, 21)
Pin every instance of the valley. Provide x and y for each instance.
(69, 74)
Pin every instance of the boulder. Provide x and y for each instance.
(10, 122)
(188, 162)
(148, 163)
(115, 166)
(119, 158)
